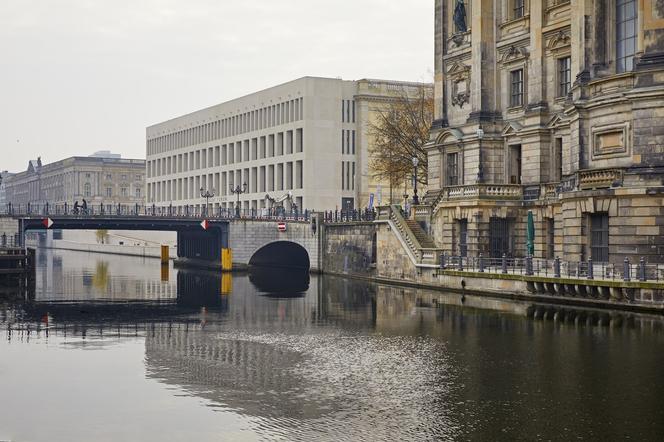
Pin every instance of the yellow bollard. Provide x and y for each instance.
(226, 260)
(164, 255)
(226, 283)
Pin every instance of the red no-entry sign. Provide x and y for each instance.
(281, 227)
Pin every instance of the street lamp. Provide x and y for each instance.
(207, 195)
(238, 191)
(416, 199)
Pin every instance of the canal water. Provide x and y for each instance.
(111, 348)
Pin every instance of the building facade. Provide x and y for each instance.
(3, 176)
(97, 179)
(306, 141)
(554, 107)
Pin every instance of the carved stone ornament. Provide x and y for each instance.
(458, 39)
(559, 40)
(513, 53)
(459, 75)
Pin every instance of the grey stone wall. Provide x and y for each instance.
(247, 237)
(347, 249)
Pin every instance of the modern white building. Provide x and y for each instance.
(306, 138)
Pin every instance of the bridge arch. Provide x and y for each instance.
(281, 254)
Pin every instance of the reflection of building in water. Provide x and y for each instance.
(255, 377)
(92, 277)
(347, 301)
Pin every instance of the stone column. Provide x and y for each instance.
(483, 85)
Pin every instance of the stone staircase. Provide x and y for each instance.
(425, 240)
(418, 242)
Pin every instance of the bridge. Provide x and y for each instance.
(254, 238)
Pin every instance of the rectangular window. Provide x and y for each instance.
(514, 164)
(516, 88)
(109, 191)
(353, 138)
(463, 237)
(138, 192)
(550, 250)
(352, 176)
(626, 21)
(564, 76)
(453, 169)
(499, 237)
(519, 9)
(353, 111)
(599, 237)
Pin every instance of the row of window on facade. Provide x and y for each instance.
(282, 143)
(274, 177)
(518, 82)
(348, 175)
(259, 119)
(348, 111)
(594, 228)
(454, 166)
(124, 191)
(348, 142)
(625, 32)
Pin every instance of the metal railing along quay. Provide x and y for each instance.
(556, 268)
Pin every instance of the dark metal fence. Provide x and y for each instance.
(10, 240)
(348, 216)
(556, 268)
(102, 210)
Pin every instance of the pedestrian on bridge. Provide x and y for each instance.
(75, 209)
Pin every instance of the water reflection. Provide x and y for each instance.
(280, 282)
(335, 359)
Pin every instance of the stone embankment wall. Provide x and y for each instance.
(347, 249)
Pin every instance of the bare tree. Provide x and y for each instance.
(399, 132)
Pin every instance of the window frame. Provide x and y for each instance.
(452, 179)
(625, 60)
(518, 9)
(514, 103)
(564, 76)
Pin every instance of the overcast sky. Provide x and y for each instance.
(78, 76)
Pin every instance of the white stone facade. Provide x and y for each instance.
(98, 180)
(307, 137)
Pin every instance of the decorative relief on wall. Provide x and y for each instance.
(460, 78)
(558, 41)
(513, 53)
(611, 141)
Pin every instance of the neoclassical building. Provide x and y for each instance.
(101, 179)
(554, 107)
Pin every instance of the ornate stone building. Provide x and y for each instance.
(101, 179)
(554, 107)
